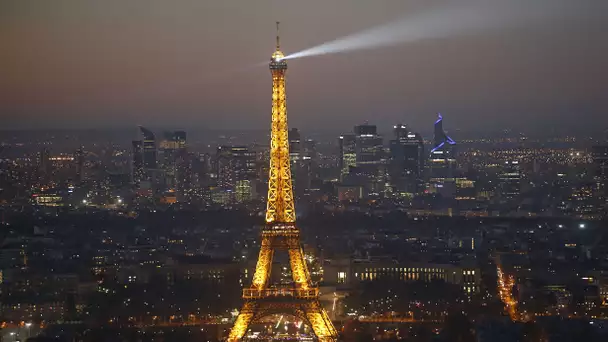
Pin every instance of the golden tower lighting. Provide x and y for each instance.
(301, 299)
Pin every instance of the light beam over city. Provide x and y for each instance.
(470, 17)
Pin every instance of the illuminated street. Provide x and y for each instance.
(505, 291)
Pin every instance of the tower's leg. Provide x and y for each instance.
(320, 322)
(242, 322)
(264, 265)
(299, 270)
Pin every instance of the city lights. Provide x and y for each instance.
(483, 223)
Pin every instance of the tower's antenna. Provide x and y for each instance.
(278, 45)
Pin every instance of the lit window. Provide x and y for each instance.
(341, 277)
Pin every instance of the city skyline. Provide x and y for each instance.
(330, 227)
(111, 65)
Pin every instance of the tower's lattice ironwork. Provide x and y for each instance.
(300, 299)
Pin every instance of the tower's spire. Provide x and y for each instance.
(278, 45)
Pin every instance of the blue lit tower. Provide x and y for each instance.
(442, 159)
(441, 141)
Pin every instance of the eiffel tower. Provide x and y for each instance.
(280, 233)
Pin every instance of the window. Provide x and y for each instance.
(341, 277)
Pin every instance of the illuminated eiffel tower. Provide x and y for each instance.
(280, 233)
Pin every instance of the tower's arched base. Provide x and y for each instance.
(309, 311)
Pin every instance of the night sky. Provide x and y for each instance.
(195, 63)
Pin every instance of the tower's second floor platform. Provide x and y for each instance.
(281, 292)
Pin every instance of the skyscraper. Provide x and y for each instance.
(295, 155)
(137, 162)
(370, 167)
(348, 155)
(406, 161)
(180, 138)
(173, 158)
(45, 168)
(294, 145)
(599, 154)
(442, 160)
(302, 154)
(233, 164)
(184, 174)
(79, 158)
(307, 169)
(510, 179)
(368, 145)
(149, 148)
(441, 140)
(175, 140)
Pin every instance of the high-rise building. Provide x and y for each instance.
(302, 154)
(295, 155)
(244, 190)
(510, 179)
(79, 158)
(234, 163)
(175, 140)
(400, 131)
(184, 174)
(45, 167)
(294, 145)
(368, 145)
(442, 161)
(174, 159)
(599, 154)
(308, 168)
(205, 169)
(149, 147)
(348, 155)
(137, 162)
(180, 138)
(370, 160)
(406, 161)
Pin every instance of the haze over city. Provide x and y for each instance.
(99, 64)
